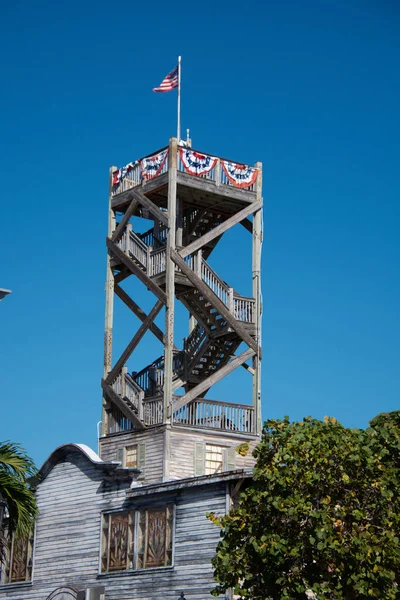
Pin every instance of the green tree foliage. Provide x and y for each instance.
(321, 514)
(15, 468)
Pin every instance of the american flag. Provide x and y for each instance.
(170, 82)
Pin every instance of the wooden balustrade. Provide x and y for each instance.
(157, 262)
(216, 415)
(134, 176)
(136, 247)
(214, 282)
(154, 241)
(243, 309)
(127, 388)
(151, 378)
(117, 421)
(153, 411)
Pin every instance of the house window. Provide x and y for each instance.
(17, 566)
(137, 539)
(214, 459)
(131, 456)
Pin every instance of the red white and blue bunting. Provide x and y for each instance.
(119, 174)
(152, 165)
(196, 163)
(240, 176)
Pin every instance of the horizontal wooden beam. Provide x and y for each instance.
(134, 341)
(120, 404)
(220, 229)
(144, 278)
(212, 379)
(124, 221)
(135, 308)
(215, 301)
(153, 208)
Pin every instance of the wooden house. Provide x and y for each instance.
(130, 521)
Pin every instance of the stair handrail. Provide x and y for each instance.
(178, 366)
(150, 237)
(221, 290)
(138, 240)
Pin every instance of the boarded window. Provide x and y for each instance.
(150, 547)
(214, 459)
(131, 456)
(17, 565)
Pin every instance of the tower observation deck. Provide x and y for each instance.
(192, 199)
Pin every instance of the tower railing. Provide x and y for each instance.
(132, 175)
(216, 415)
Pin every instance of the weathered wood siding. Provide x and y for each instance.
(154, 442)
(181, 450)
(67, 545)
(183, 447)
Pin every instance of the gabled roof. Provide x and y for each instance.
(109, 468)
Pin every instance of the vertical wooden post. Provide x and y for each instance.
(156, 231)
(124, 371)
(217, 172)
(197, 261)
(127, 232)
(256, 268)
(197, 269)
(230, 301)
(179, 223)
(108, 327)
(170, 281)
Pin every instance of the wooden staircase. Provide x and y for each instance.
(223, 319)
(212, 343)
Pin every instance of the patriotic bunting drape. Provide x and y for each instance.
(152, 165)
(196, 163)
(240, 176)
(121, 173)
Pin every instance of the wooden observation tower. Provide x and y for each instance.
(192, 199)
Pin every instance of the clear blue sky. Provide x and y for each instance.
(309, 88)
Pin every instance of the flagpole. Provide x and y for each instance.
(178, 133)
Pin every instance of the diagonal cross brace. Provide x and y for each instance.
(135, 308)
(124, 221)
(151, 207)
(220, 229)
(149, 283)
(119, 403)
(212, 379)
(134, 341)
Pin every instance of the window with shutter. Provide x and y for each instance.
(230, 459)
(141, 455)
(131, 456)
(214, 459)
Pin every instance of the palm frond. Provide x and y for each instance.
(13, 459)
(21, 503)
